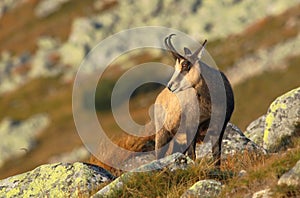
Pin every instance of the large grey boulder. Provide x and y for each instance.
(56, 180)
(204, 188)
(234, 141)
(292, 177)
(19, 136)
(275, 129)
(282, 121)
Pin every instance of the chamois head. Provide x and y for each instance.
(187, 68)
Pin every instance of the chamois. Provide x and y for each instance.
(189, 75)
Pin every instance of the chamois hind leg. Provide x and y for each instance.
(217, 148)
(161, 139)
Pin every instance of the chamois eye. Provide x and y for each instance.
(186, 65)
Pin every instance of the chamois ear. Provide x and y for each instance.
(187, 51)
(200, 51)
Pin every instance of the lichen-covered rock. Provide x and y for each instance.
(204, 188)
(292, 177)
(255, 130)
(10, 67)
(282, 121)
(233, 141)
(20, 136)
(56, 180)
(263, 194)
(46, 58)
(172, 162)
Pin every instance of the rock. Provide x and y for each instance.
(242, 173)
(6, 5)
(171, 162)
(233, 141)
(138, 160)
(292, 177)
(56, 180)
(262, 194)
(77, 154)
(8, 64)
(282, 121)
(77, 52)
(43, 63)
(47, 7)
(20, 136)
(204, 188)
(255, 130)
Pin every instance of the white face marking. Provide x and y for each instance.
(178, 66)
(180, 81)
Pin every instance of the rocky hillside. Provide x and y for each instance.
(245, 167)
(43, 42)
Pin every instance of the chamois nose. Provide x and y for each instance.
(169, 86)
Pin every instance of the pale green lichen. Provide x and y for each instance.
(270, 118)
(279, 103)
(56, 180)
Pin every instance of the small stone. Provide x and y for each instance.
(242, 173)
(204, 188)
(292, 177)
(262, 194)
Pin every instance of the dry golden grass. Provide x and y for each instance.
(262, 171)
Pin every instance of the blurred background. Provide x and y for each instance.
(42, 43)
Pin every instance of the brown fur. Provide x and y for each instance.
(168, 100)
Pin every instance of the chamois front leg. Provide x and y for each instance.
(191, 151)
(162, 137)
